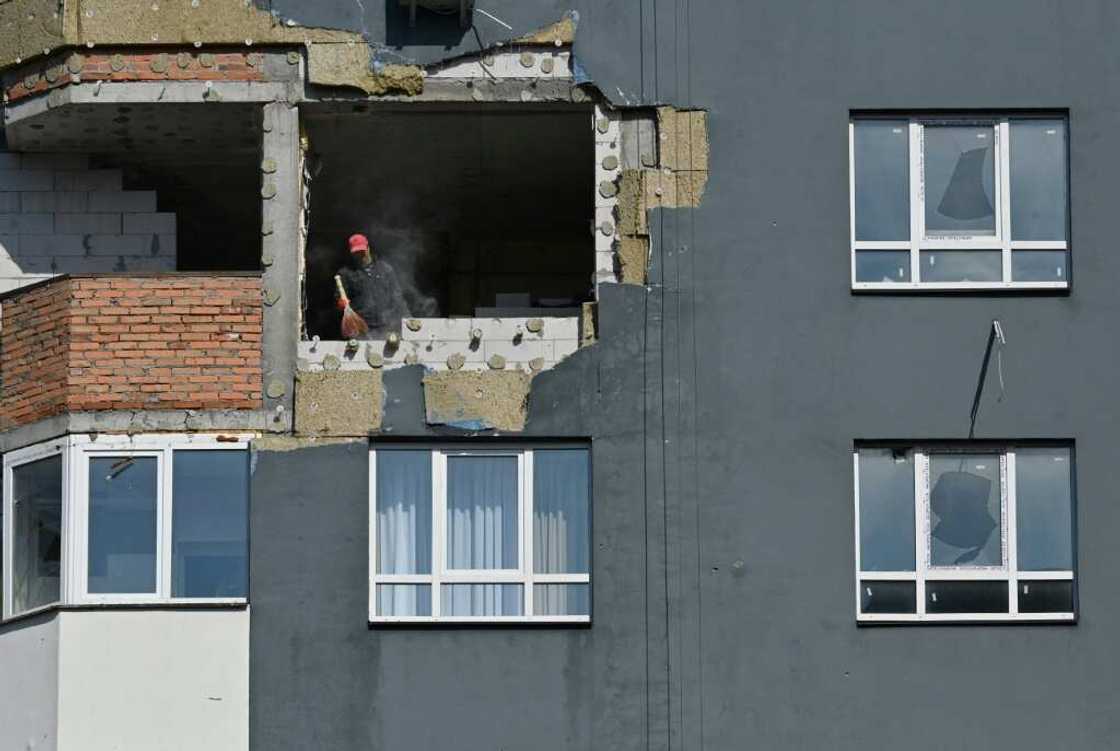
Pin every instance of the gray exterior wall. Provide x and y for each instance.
(723, 404)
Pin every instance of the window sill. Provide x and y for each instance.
(910, 288)
(544, 621)
(238, 603)
(971, 619)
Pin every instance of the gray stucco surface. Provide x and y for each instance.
(723, 403)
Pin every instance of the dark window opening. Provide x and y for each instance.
(479, 212)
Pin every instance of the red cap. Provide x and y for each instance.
(358, 243)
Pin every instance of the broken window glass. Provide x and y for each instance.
(883, 266)
(36, 533)
(209, 530)
(1039, 179)
(965, 510)
(959, 171)
(886, 510)
(123, 499)
(1044, 509)
(882, 172)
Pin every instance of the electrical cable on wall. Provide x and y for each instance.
(995, 335)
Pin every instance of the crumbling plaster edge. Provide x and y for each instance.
(135, 421)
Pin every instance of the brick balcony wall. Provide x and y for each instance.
(145, 342)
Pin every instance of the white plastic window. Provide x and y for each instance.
(959, 203)
(125, 520)
(964, 533)
(480, 535)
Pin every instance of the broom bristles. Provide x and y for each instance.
(352, 324)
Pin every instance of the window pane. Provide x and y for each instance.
(209, 529)
(404, 599)
(482, 512)
(886, 510)
(965, 510)
(882, 170)
(122, 524)
(961, 266)
(1039, 179)
(883, 266)
(562, 599)
(959, 170)
(404, 512)
(1045, 596)
(1044, 509)
(966, 597)
(36, 533)
(561, 504)
(481, 599)
(888, 597)
(1039, 266)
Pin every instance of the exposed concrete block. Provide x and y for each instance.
(54, 161)
(108, 180)
(31, 246)
(338, 403)
(49, 264)
(561, 348)
(88, 224)
(9, 202)
(64, 202)
(149, 224)
(27, 224)
(9, 160)
(129, 245)
(9, 265)
(122, 201)
(9, 245)
(20, 179)
(477, 400)
(438, 328)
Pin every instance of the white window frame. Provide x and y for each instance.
(524, 575)
(76, 451)
(918, 241)
(925, 572)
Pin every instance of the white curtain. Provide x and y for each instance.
(482, 532)
(561, 528)
(404, 529)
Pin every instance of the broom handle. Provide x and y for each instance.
(341, 289)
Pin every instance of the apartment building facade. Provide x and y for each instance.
(746, 392)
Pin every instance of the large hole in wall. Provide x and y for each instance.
(480, 211)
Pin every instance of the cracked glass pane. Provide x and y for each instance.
(965, 510)
(959, 169)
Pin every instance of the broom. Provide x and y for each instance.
(353, 327)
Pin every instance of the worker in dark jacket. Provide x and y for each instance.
(372, 290)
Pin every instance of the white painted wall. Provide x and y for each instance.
(29, 684)
(165, 680)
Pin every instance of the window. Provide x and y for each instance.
(959, 203)
(480, 535)
(964, 533)
(125, 520)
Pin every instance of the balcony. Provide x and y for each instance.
(130, 342)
